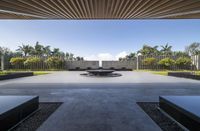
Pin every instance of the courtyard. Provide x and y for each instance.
(99, 104)
(100, 65)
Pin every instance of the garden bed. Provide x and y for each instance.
(164, 122)
(35, 121)
(189, 75)
(15, 75)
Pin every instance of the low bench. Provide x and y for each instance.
(184, 109)
(184, 75)
(15, 75)
(14, 109)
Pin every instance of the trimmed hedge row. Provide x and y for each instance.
(37, 63)
(168, 63)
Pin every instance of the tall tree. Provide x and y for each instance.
(131, 56)
(58, 53)
(4, 50)
(180, 54)
(71, 56)
(55, 52)
(193, 49)
(38, 49)
(47, 50)
(67, 56)
(166, 49)
(78, 58)
(149, 51)
(25, 49)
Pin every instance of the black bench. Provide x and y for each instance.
(15, 109)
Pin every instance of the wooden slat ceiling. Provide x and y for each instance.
(99, 9)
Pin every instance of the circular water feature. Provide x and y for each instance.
(101, 73)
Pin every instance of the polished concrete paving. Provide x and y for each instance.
(99, 104)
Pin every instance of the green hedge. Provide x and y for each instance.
(17, 61)
(183, 61)
(54, 62)
(167, 62)
(150, 61)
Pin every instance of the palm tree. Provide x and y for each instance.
(180, 54)
(71, 56)
(148, 50)
(166, 49)
(47, 51)
(25, 49)
(67, 56)
(193, 49)
(131, 56)
(78, 58)
(38, 49)
(56, 52)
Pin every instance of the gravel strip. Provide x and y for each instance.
(165, 123)
(34, 121)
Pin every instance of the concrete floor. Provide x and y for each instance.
(99, 104)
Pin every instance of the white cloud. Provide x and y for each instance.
(106, 56)
(91, 57)
(121, 55)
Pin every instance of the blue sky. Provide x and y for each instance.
(99, 39)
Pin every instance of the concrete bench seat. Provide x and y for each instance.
(14, 109)
(184, 109)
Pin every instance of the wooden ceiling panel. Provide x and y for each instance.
(99, 9)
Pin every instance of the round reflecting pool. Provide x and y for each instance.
(101, 73)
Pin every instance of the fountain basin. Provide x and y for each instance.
(101, 73)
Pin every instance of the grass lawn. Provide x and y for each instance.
(40, 72)
(165, 72)
(2, 73)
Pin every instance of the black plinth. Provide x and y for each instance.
(14, 109)
(184, 109)
(189, 75)
(15, 75)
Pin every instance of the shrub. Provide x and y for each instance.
(54, 62)
(17, 61)
(32, 60)
(183, 61)
(166, 62)
(149, 61)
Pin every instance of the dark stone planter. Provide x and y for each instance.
(16, 75)
(184, 75)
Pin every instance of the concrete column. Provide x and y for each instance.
(198, 62)
(137, 62)
(2, 62)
